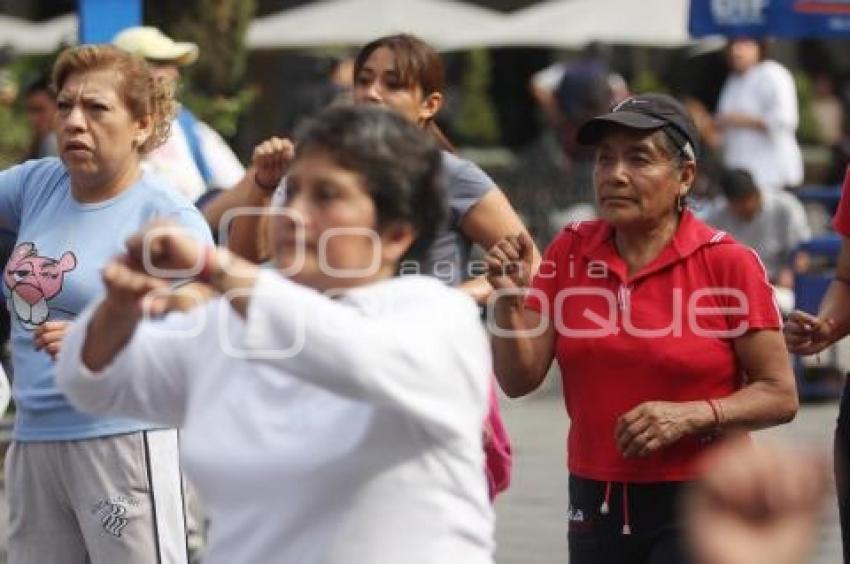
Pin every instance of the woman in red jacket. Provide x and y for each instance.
(665, 330)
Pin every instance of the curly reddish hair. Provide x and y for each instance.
(142, 93)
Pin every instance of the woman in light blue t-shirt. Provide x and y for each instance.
(83, 488)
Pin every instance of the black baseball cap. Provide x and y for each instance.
(649, 112)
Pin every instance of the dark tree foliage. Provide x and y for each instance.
(214, 84)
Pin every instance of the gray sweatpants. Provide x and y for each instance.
(107, 500)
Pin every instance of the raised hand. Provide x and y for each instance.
(806, 334)
(271, 159)
(164, 250)
(510, 262)
(132, 293)
(757, 504)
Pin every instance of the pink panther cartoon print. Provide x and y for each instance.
(33, 280)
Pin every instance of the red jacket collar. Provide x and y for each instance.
(596, 242)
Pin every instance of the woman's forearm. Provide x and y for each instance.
(769, 394)
(520, 361)
(110, 329)
(758, 405)
(242, 231)
(233, 277)
(836, 306)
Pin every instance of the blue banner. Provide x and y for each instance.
(775, 18)
(100, 20)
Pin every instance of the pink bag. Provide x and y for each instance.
(497, 447)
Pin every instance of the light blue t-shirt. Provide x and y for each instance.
(55, 271)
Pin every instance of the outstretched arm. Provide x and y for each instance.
(806, 334)
(113, 363)
(389, 361)
(521, 354)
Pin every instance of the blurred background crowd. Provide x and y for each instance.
(510, 107)
(516, 93)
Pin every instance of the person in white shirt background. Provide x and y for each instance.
(758, 116)
(40, 105)
(194, 158)
(350, 412)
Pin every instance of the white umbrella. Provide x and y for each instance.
(58, 31)
(443, 23)
(31, 38)
(573, 23)
(14, 32)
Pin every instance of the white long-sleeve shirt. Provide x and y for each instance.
(361, 444)
(772, 156)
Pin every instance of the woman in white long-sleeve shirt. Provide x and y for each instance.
(316, 429)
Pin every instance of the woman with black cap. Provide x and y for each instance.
(665, 330)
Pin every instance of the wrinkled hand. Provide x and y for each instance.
(654, 425)
(271, 159)
(165, 250)
(49, 336)
(806, 334)
(756, 505)
(510, 262)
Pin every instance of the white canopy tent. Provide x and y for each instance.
(60, 30)
(573, 23)
(443, 23)
(446, 24)
(33, 38)
(13, 31)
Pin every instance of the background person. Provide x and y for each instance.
(758, 116)
(366, 440)
(403, 73)
(194, 158)
(84, 488)
(40, 107)
(772, 223)
(648, 389)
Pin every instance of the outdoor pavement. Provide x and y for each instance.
(531, 515)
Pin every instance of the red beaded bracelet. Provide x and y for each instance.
(714, 411)
(717, 410)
